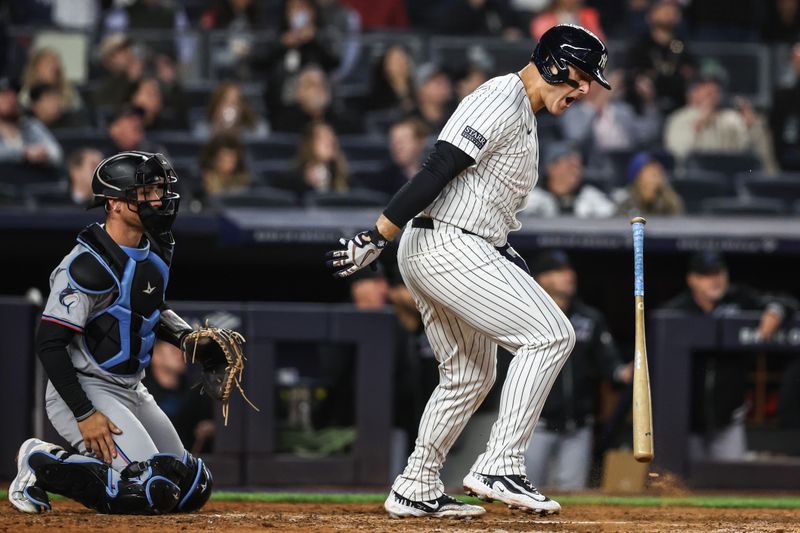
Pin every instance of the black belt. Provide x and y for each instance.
(427, 223)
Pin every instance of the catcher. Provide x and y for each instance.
(104, 313)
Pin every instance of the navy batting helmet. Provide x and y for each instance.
(570, 44)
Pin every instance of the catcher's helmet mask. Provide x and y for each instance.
(569, 44)
(122, 176)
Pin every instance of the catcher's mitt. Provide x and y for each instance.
(220, 352)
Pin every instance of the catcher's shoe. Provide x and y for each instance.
(442, 507)
(515, 491)
(22, 493)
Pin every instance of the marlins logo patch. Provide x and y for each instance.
(69, 297)
(474, 137)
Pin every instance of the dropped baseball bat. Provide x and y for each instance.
(642, 410)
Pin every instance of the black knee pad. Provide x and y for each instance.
(139, 490)
(196, 488)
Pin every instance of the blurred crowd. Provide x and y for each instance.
(336, 102)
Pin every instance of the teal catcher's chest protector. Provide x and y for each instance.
(120, 337)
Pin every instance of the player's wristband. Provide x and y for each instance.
(87, 415)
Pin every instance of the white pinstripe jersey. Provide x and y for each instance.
(496, 126)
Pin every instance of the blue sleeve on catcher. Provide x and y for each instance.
(638, 259)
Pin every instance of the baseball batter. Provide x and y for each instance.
(473, 291)
(106, 308)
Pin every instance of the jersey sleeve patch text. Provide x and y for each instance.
(474, 137)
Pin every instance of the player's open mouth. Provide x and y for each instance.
(569, 100)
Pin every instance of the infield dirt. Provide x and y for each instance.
(233, 517)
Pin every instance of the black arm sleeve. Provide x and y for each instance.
(51, 345)
(445, 163)
(171, 327)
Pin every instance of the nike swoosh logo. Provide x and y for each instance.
(431, 506)
(367, 255)
(529, 131)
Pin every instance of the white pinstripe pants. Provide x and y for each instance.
(473, 299)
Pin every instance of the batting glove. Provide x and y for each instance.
(358, 252)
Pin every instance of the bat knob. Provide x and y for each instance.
(638, 220)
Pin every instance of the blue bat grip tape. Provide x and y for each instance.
(638, 258)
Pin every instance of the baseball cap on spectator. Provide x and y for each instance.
(711, 70)
(707, 262)
(113, 42)
(550, 260)
(425, 72)
(126, 110)
(556, 150)
(642, 159)
(7, 84)
(40, 89)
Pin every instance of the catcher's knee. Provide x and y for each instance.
(142, 488)
(196, 485)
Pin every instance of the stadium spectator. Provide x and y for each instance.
(313, 103)
(392, 81)
(434, 94)
(44, 67)
(649, 191)
(191, 412)
(320, 164)
(563, 191)
(301, 44)
(719, 379)
(604, 122)
(45, 106)
(704, 125)
(223, 165)
(242, 20)
(80, 168)
(560, 453)
(229, 111)
(477, 69)
(784, 117)
(147, 95)
(370, 293)
(126, 131)
(337, 19)
(407, 138)
(149, 16)
(661, 55)
(122, 68)
(24, 139)
(567, 12)
(379, 15)
(782, 22)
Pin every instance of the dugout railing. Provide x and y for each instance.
(673, 339)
